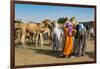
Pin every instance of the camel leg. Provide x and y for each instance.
(37, 37)
(30, 39)
(34, 37)
(41, 40)
(23, 41)
(18, 36)
(50, 38)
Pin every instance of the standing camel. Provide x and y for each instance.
(33, 28)
(36, 29)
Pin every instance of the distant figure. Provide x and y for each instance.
(82, 40)
(91, 33)
(87, 32)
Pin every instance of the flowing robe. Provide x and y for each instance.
(68, 48)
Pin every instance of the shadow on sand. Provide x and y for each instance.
(47, 52)
(91, 55)
(52, 53)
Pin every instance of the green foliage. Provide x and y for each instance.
(73, 18)
(62, 20)
(18, 21)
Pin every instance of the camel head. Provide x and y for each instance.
(47, 22)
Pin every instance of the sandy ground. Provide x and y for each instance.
(44, 55)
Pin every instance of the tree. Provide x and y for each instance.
(62, 20)
(73, 18)
(18, 21)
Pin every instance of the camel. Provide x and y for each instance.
(36, 29)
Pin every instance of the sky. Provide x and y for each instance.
(37, 13)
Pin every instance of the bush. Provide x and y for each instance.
(62, 20)
(18, 21)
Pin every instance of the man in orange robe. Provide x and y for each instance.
(69, 33)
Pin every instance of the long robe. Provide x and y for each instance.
(68, 48)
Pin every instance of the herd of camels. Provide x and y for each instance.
(34, 31)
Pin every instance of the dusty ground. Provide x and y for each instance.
(44, 55)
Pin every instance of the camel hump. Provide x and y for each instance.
(31, 27)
